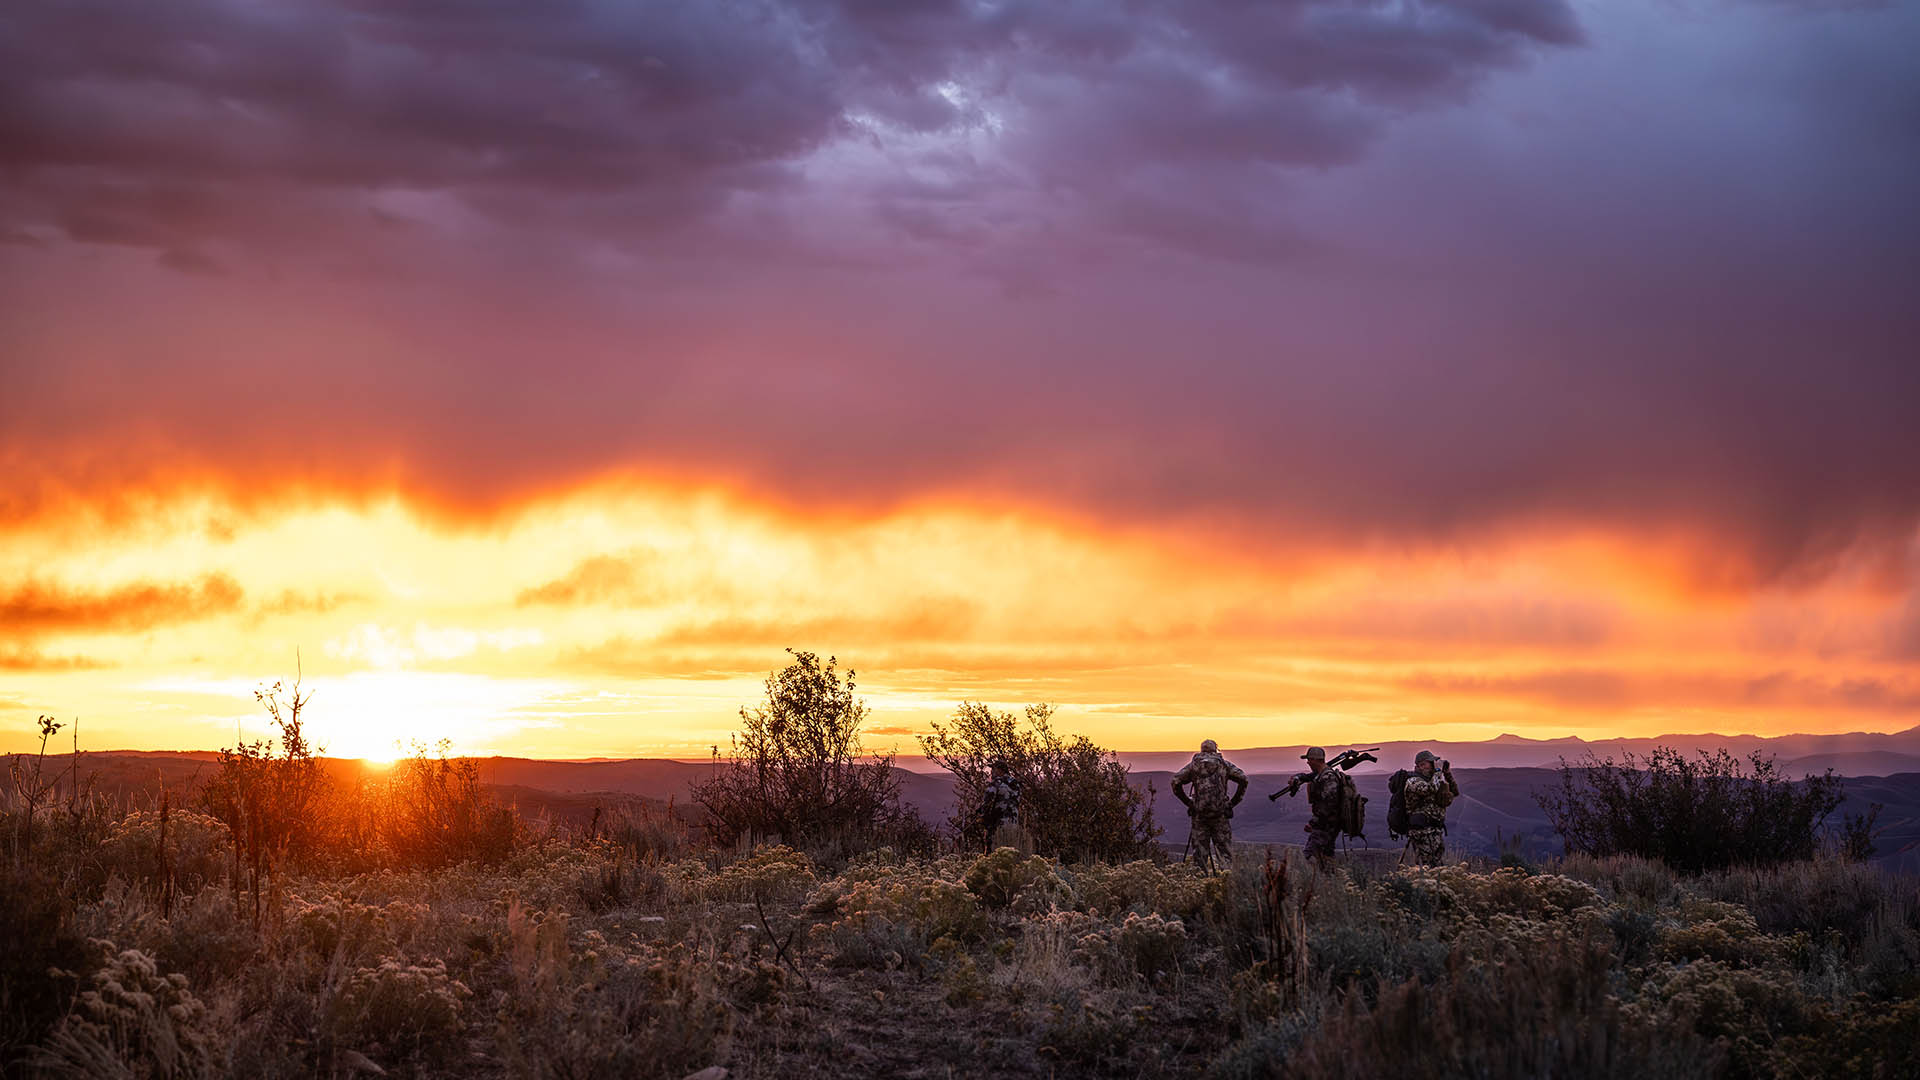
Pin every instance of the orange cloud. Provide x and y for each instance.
(19, 659)
(601, 579)
(929, 619)
(38, 607)
(647, 618)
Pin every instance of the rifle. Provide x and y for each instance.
(1345, 759)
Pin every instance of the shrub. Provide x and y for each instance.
(892, 920)
(1003, 879)
(649, 833)
(1046, 961)
(29, 787)
(1714, 930)
(335, 927)
(1262, 1053)
(1459, 893)
(133, 1021)
(267, 796)
(201, 939)
(437, 814)
(1868, 1041)
(1819, 895)
(1742, 1010)
(1544, 1011)
(1076, 802)
(196, 849)
(37, 940)
(1142, 885)
(797, 771)
(406, 1009)
(1858, 833)
(1149, 945)
(1691, 814)
(774, 873)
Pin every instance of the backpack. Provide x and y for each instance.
(1397, 823)
(1210, 786)
(1353, 808)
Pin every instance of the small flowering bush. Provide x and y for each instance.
(404, 1008)
(1003, 878)
(1148, 945)
(196, 852)
(1456, 892)
(133, 1020)
(772, 873)
(1179, 889)
(1728, 933)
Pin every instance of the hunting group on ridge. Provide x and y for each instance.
(1416, 811)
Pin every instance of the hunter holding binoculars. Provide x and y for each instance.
(1427, 797)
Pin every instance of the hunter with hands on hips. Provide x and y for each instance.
(1209, 809)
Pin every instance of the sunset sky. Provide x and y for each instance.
(1314, 370)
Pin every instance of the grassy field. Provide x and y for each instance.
(632, 953)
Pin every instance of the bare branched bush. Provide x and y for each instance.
(798, 772)
(1691, 813)
(1076, 802)
(267, 795)
(437, 813)
(30, 787)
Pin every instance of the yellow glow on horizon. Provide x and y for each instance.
(625, 621)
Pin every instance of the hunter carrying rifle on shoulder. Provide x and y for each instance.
(1209, 810)
(1338, 807)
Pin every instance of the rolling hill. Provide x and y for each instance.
(1497, 780)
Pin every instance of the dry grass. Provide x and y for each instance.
(631, 952)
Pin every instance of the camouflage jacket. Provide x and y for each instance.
(1210, 774)
(1001, 798)
(1427, 800)
(1323, 793)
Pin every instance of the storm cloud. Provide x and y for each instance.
(1305, 274)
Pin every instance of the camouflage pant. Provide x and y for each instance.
(1320, 841)
(1429, 846)
(989, 827)
(1210, 840)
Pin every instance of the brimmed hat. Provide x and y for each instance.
(1425, 756)
(1314, 753)
(1209, 747)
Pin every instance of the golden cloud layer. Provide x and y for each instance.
(617, 620)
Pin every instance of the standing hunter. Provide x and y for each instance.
(1323, 796)
(999, 800)
(1209, 810)
(1427, 797)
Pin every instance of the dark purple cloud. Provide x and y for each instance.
(171, 126)
(1309, 273)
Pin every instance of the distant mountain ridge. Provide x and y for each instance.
(1496, 804)
(1866, 753)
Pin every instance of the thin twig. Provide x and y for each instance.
(780, 944)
